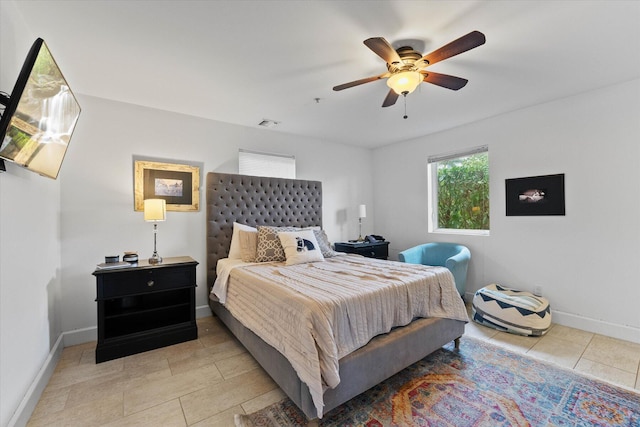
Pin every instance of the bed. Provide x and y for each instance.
(256, 201)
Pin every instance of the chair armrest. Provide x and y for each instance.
(458, 264)
(411, 255)
(461, 257)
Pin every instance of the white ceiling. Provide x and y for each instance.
(244, 61)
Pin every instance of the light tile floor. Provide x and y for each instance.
(205, 382)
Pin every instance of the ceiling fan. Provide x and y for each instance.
(406, 66)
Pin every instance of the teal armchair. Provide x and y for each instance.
(451, 255)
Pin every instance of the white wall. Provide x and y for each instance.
(30, 280)
(98, 218)
(585, 261)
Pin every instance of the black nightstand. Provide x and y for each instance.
(145, 306)
(378, 250)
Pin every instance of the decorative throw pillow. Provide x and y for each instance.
(248, 245)
(235, 250)
(269, 247)
(323, 242)
(300, 246)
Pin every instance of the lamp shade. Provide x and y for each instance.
(155, 210)
(404, 82)
(362, 211)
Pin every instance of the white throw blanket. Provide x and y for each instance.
(317, 313)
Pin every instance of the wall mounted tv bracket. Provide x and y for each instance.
(4, 101)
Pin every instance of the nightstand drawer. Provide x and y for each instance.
(378, 250)
(141, 281)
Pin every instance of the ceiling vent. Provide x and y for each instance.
(268, 123)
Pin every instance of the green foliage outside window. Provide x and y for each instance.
(463, 193)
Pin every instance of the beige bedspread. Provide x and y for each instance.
(316, 313)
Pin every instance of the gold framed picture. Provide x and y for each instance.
(178, 185)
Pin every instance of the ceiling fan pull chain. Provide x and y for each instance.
(405, 106)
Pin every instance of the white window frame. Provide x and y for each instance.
(432, 178)
(258, 163)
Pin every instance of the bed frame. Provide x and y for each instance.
(287, 202)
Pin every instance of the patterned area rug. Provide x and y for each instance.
(481, 385)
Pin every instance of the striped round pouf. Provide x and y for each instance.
(510, 310)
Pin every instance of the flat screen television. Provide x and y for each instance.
(39, 116)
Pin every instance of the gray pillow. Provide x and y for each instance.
(323, 242)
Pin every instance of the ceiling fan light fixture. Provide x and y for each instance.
(404, 82)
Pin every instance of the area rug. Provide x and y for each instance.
(480, 385)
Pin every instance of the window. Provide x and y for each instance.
(266, 164)
(459, 184)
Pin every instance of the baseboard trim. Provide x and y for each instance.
(613, 330)
(32, 396)
(80, 336)
(203, 311)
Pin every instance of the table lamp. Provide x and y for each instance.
(362, 213)
(155, 210)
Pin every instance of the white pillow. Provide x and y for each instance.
(300, 246)
(235, 251)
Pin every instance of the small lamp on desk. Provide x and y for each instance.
(155, 210)
(362, 213)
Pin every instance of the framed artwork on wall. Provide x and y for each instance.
(535, 195)
(177, 184)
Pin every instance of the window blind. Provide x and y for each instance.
(457, 154)
(266, 164)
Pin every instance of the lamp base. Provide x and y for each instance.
(155, 259)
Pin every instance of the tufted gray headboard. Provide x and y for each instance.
(255, 200)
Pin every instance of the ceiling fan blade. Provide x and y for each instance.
(463, 44)
(383, 49)
(444, 80)
(391, 99)
(361, 81)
